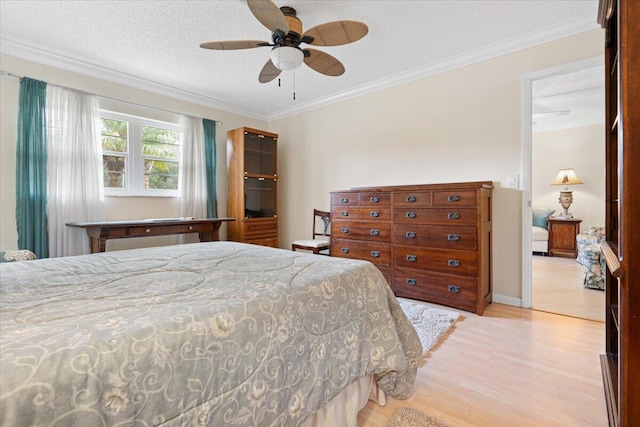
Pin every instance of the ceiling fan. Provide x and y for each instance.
(287, 36)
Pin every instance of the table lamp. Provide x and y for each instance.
(566, 177)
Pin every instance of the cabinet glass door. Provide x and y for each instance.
(260, 154)
(260, 197)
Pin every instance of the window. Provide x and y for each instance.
(140, 157)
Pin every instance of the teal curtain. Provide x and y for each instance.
(31, 168)
(210, 157)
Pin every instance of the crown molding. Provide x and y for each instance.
(569, 28)
(21, 50)
(9, 46)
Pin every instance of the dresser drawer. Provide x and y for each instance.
(267, 241)
(443, 261)
(411, 198)
(450, 216)
(375, 199)
(260, 227)
(360, 214)
(159, 231)
(344, 199)
(457, 291)
(362, 230)
(454, 198)
(436, 236)
(377, 253)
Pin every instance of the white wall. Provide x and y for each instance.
(116, 208)
(461, 125)
(583, 150)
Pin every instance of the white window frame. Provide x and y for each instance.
(134, 160)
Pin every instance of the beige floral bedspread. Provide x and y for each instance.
(190, 335)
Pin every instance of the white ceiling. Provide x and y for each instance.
(154, 45)
(568, 100)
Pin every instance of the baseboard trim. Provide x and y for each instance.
(507, 300)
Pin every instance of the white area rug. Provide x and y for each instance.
(409, 417)
(430, 323)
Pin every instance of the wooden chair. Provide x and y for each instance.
(319, 240)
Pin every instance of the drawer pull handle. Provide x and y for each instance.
(344, 200)
(410, 234)
(191, 227)
(412, 282)
(375, 254)
(411, 199)
(411, 215)
(453, 215)
(375, 232)
(412, 258)
(375, 199)
(453, 288)
(453, 237)
(375, 214)
(453, 198)
(453, 263)
(344, 213)
(345, 250)
(344, 229)
(148, 230)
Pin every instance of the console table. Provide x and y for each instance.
(100, 232)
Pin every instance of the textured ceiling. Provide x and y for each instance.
(568, 100)
(155, 44)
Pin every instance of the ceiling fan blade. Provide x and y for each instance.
(234, 44)
(268, 73)
(337, 33)
(323, 62)
(269, 15)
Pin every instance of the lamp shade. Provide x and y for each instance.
(566, 177)
(286, 58)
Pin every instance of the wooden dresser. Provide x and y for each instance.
(432, 242)
(361, 227)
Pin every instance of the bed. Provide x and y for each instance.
(218, 333)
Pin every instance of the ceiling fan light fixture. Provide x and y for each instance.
(287, 58)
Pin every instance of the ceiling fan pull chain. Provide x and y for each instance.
(294, 85)
(278, 81)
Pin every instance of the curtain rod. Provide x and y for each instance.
(8, 74)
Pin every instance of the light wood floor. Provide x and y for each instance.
(557, 288)
(510, 367)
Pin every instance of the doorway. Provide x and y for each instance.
(563, 127)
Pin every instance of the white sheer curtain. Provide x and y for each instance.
(74, 168)
(193, 185)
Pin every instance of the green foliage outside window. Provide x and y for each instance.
(158, 145)
(114, 140)
(160, 149)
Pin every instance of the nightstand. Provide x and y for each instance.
(562, 236)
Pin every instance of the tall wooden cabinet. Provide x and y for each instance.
(432, 242)
(252, 192)
(621, 363)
